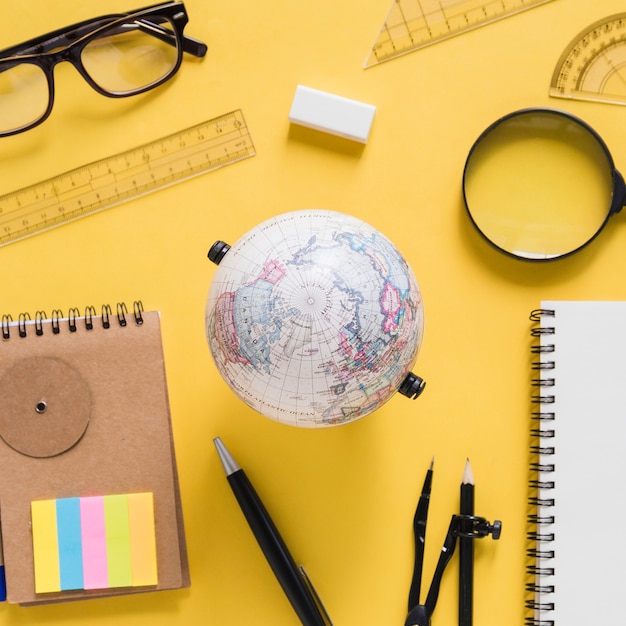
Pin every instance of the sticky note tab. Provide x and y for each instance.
(333, 114)
(70, 543)
(118, 541)
(45, 546)
(95, 569)
(142, 539)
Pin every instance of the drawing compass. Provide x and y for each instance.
(468, 526)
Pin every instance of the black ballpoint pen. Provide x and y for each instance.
(293, 580)
(466, 552)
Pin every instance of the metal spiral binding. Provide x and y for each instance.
(541, 520)
(58, 321)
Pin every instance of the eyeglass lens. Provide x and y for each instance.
(123, 60)
(23, 96)
(538, 184)
(129, 57)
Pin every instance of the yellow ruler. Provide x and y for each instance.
(593, 66)
(414, 24)
(116, 179)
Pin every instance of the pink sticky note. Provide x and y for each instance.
(95, 568)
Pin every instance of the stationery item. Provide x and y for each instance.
(332, 114)
(94, 542)
(88, 459)
(296, 585)
(591, 72)
(115, 179)
(540, 184)
(118, 55)
(414, 24)
(466, 551)
(466, 527)
(419, 615)
(578, 463)
(419, 533)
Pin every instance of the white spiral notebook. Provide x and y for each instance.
(577, 503)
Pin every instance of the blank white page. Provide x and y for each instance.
(590, 463)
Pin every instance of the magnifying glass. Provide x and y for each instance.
(540, 184)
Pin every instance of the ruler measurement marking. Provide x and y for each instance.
(121, 177)
(414, 24)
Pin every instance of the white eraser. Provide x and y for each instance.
(332, 114)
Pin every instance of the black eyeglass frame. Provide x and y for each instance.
(67, 44)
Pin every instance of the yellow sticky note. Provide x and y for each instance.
(45, 546)
(142, 538)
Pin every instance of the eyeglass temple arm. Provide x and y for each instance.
(65, 36)
(192, 46)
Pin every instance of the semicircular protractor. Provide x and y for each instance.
(593, 66)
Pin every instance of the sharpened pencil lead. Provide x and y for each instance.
(468, 476)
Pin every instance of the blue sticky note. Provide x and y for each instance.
(70, 543)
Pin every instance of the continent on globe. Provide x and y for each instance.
(314, 318)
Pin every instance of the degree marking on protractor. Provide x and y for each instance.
(415, 24)
(115, 179)
(593, 66)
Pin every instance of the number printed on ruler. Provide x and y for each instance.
(414, 24)
(110, 181)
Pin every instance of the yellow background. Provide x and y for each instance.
(343, 498)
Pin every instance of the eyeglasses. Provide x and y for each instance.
(118, 55)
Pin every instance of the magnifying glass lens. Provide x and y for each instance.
(539, 184)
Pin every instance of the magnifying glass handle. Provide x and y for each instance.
(619, 192)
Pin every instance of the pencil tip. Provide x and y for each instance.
(432, 463)
(468, 476)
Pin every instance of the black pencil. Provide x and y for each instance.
(466, 551)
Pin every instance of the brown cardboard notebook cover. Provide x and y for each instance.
(85, 412)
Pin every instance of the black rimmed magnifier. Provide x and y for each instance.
(540, 184)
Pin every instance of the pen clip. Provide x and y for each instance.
(318, 600)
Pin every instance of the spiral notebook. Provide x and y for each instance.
(577, 474)
(89, 495)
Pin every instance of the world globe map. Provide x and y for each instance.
(314, 318)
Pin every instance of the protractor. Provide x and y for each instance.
(593, 66)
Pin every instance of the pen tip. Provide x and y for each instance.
(432, 463)
(228, 462)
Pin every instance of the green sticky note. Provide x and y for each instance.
(118, 541)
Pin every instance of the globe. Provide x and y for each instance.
(314, 319)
